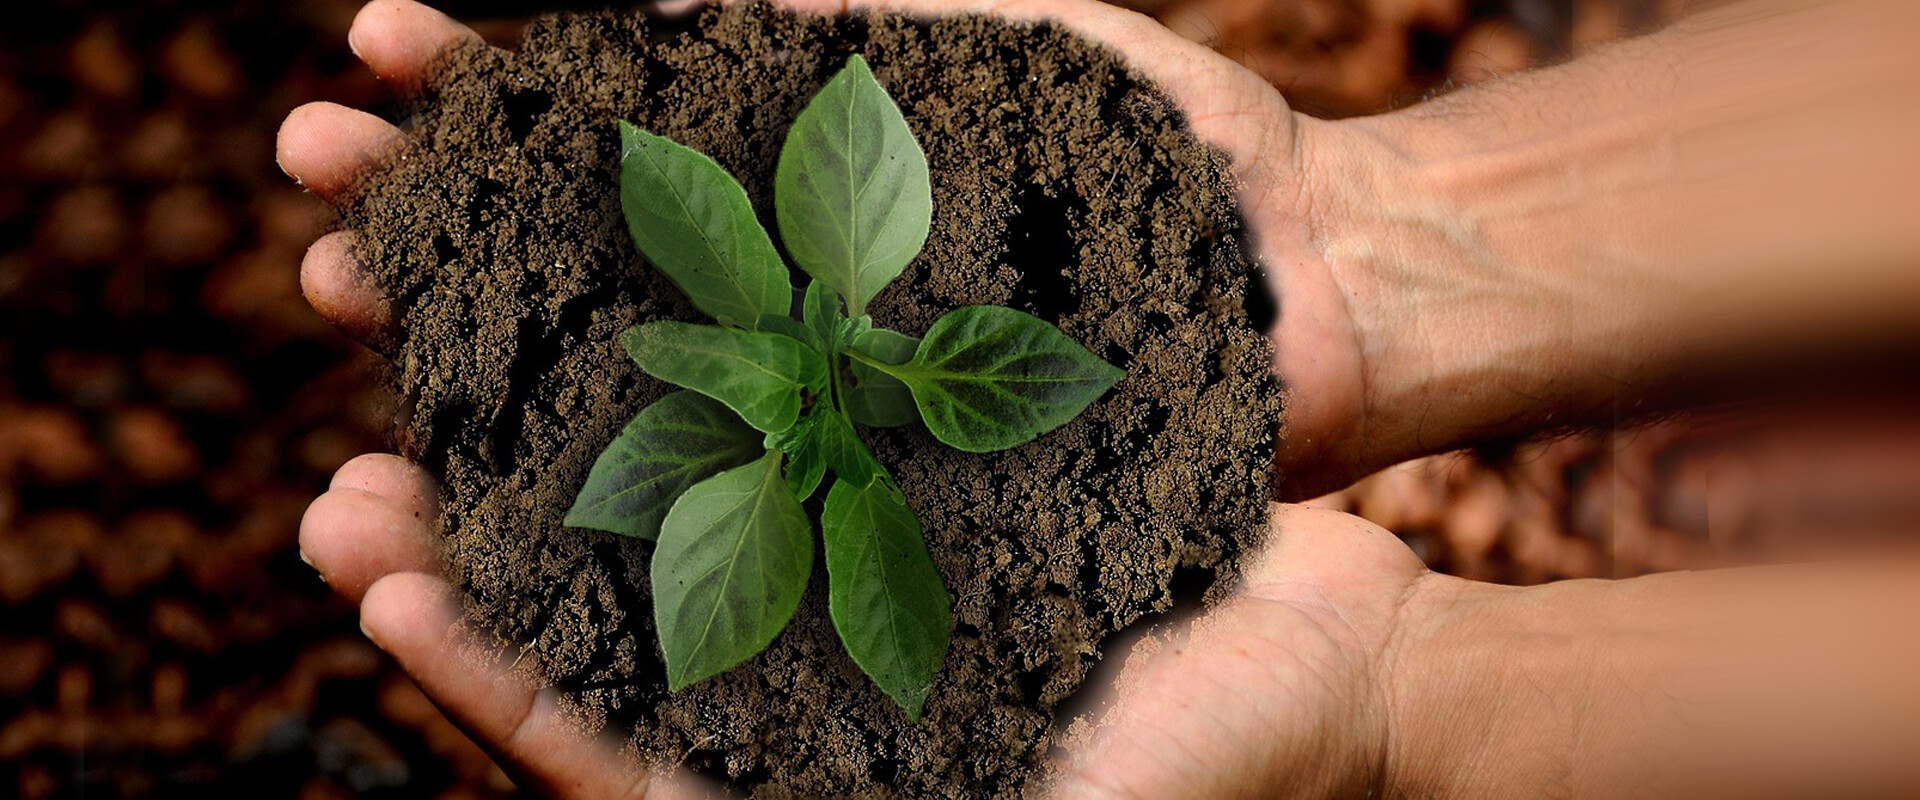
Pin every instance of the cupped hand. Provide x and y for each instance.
(1284, 690)
(373, 538)
(374, 534)
(1281, 687)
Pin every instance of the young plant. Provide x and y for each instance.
(717, 474)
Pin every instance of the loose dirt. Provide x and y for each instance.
(1063, 186)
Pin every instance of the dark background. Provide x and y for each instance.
(169, 404)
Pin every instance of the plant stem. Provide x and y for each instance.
(833, 375)
(872, 362)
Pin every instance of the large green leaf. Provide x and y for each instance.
(732, 563)
(851, 190)
(876, 398)
(988, 378)
(887, 600)
(694, 222)
(680, 440)
(758, 375)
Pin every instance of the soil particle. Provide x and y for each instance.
(1063, 186)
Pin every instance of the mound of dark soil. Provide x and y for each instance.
(1063, 186)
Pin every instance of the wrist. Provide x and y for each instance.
(1317, 350)
(1488, 688)
(1405, 324)
(1757, 682)
(1487, 295)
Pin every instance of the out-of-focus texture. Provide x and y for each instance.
(169, 404)
(1337, 58)
(1803, 477)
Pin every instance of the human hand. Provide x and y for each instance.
(1319, 677)
(1286, 689)
(374, 535)
(1289, 666)
(1281, 691)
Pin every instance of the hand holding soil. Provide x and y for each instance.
(343, 291)
(1413, 317)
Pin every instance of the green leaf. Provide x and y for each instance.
(792, 329)
(851, 330)
(694, 222)
(851, 191)
(823, 316)
(680, 440)
(842, 449)
(886, 597)
(806, 465)
(732, 563)
(789, 440)
(825, 440)
(988, 378)
(758, 375)
(876, 398)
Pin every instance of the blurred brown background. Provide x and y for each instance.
(169, 404)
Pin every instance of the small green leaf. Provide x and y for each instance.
(823, 316)
(842, 449)
(824, 441)
(876, 398)
(758, 375)
(886, 597)
(804, 475)
(732, 563)
(788, 441)
(680, 440)
(988, 378)
(851, 330)
(792, 329)
(693, 221)
(851, 191)
(806, 464)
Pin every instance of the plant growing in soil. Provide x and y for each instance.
(717, 474)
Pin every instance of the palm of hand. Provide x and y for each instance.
(1271, 690)
(1278, 692)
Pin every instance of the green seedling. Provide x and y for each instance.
(717, 474)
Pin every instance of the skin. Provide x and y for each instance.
(1484, 266)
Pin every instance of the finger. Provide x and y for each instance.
(405, 483)
(403, 41)
(327, 147)
(345, 295)
(674, 9)
(415, 618)
(1227, 105)
(355, 538)
(1349, 558)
